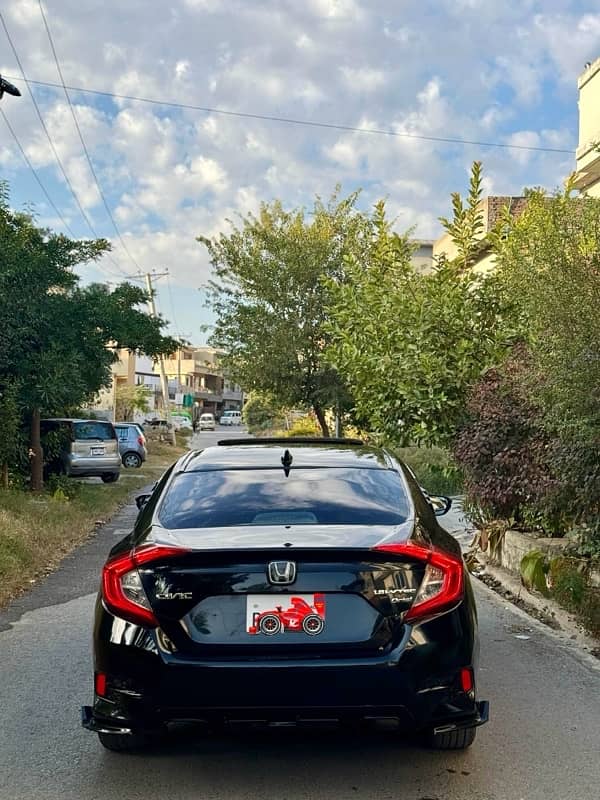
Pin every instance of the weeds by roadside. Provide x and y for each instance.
(38, 530)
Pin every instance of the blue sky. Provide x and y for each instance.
(473, 69)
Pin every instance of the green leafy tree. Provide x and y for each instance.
(57, 338)
(549, 262)
(130, 399)
(410, 345)
(271, 300)
(466, 226)
(261, 411)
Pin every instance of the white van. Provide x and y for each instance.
(231, 418)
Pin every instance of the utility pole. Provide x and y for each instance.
(149, 276)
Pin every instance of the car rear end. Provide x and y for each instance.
(180, 630)
(194, 652)
(94, 450)
(132, 444)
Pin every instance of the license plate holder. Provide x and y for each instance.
(285, 614)
(97, 451)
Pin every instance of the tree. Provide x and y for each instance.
(549, 263)
(130, 399)
(271, 301)
(411, 345)
(57, 338)
(262, 412)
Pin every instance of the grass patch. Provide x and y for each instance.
(38, 531)
(434, 469)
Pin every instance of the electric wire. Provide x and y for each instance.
(304, 122)
(46, 131)
(35, 175)
(82, 140)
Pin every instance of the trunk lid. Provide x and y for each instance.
(344, 598)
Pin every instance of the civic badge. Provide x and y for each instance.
(281, 572)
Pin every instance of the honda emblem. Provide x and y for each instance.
(281, 572)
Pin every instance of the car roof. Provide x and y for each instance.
(74, 419)
(257, 454)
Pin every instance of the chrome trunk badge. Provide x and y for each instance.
(281, 572)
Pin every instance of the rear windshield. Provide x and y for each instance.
(227, 498)
(92, 429)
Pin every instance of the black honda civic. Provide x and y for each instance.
(286, 581)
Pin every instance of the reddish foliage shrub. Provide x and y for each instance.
(503, 450)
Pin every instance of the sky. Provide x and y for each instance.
(469, 69)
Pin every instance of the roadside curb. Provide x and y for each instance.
(547, 612)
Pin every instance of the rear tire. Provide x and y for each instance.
(132, 461)
(123, 742)
(110, 477)
(453, 740)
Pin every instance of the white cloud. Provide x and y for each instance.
(506, 72)
(363, 79)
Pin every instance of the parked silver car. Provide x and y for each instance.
(132, 444)
(82, 448)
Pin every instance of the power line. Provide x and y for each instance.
(47, 195)
(43, 124)
(35, 175)
(304, 122)
(82, 140)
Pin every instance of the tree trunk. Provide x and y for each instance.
(36, 453)
(5, 476)
(320, 414)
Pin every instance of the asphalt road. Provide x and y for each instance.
(542, 743)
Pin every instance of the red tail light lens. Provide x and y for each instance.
(141, 441)
(442, 586)
(467, 681)
(100, 684)
(122, 589)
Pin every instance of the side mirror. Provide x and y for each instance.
(141, 500)
(440, 504)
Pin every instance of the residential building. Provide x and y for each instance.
(491, 209)
(588, 152)
(422, 257)
(132, 369)
(195, 374)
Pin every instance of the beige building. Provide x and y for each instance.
(422, 257)
(588, 150)
(196, 372)
(491, 210)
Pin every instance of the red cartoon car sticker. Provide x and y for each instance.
(284, 613)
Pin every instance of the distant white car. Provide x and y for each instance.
(180, 421)
(207, 422)
(231, 418)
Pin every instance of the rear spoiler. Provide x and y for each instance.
(289, 441)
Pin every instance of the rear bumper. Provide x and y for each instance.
(130, 726)
(417, 683)
(94, 467)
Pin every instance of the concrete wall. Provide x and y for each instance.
(516, 544)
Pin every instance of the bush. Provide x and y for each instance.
(504, 451)
(261, 412)
(434, 468)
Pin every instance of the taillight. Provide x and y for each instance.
(442, 586)
(100, 684)
(122, 589)
(141, 441)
